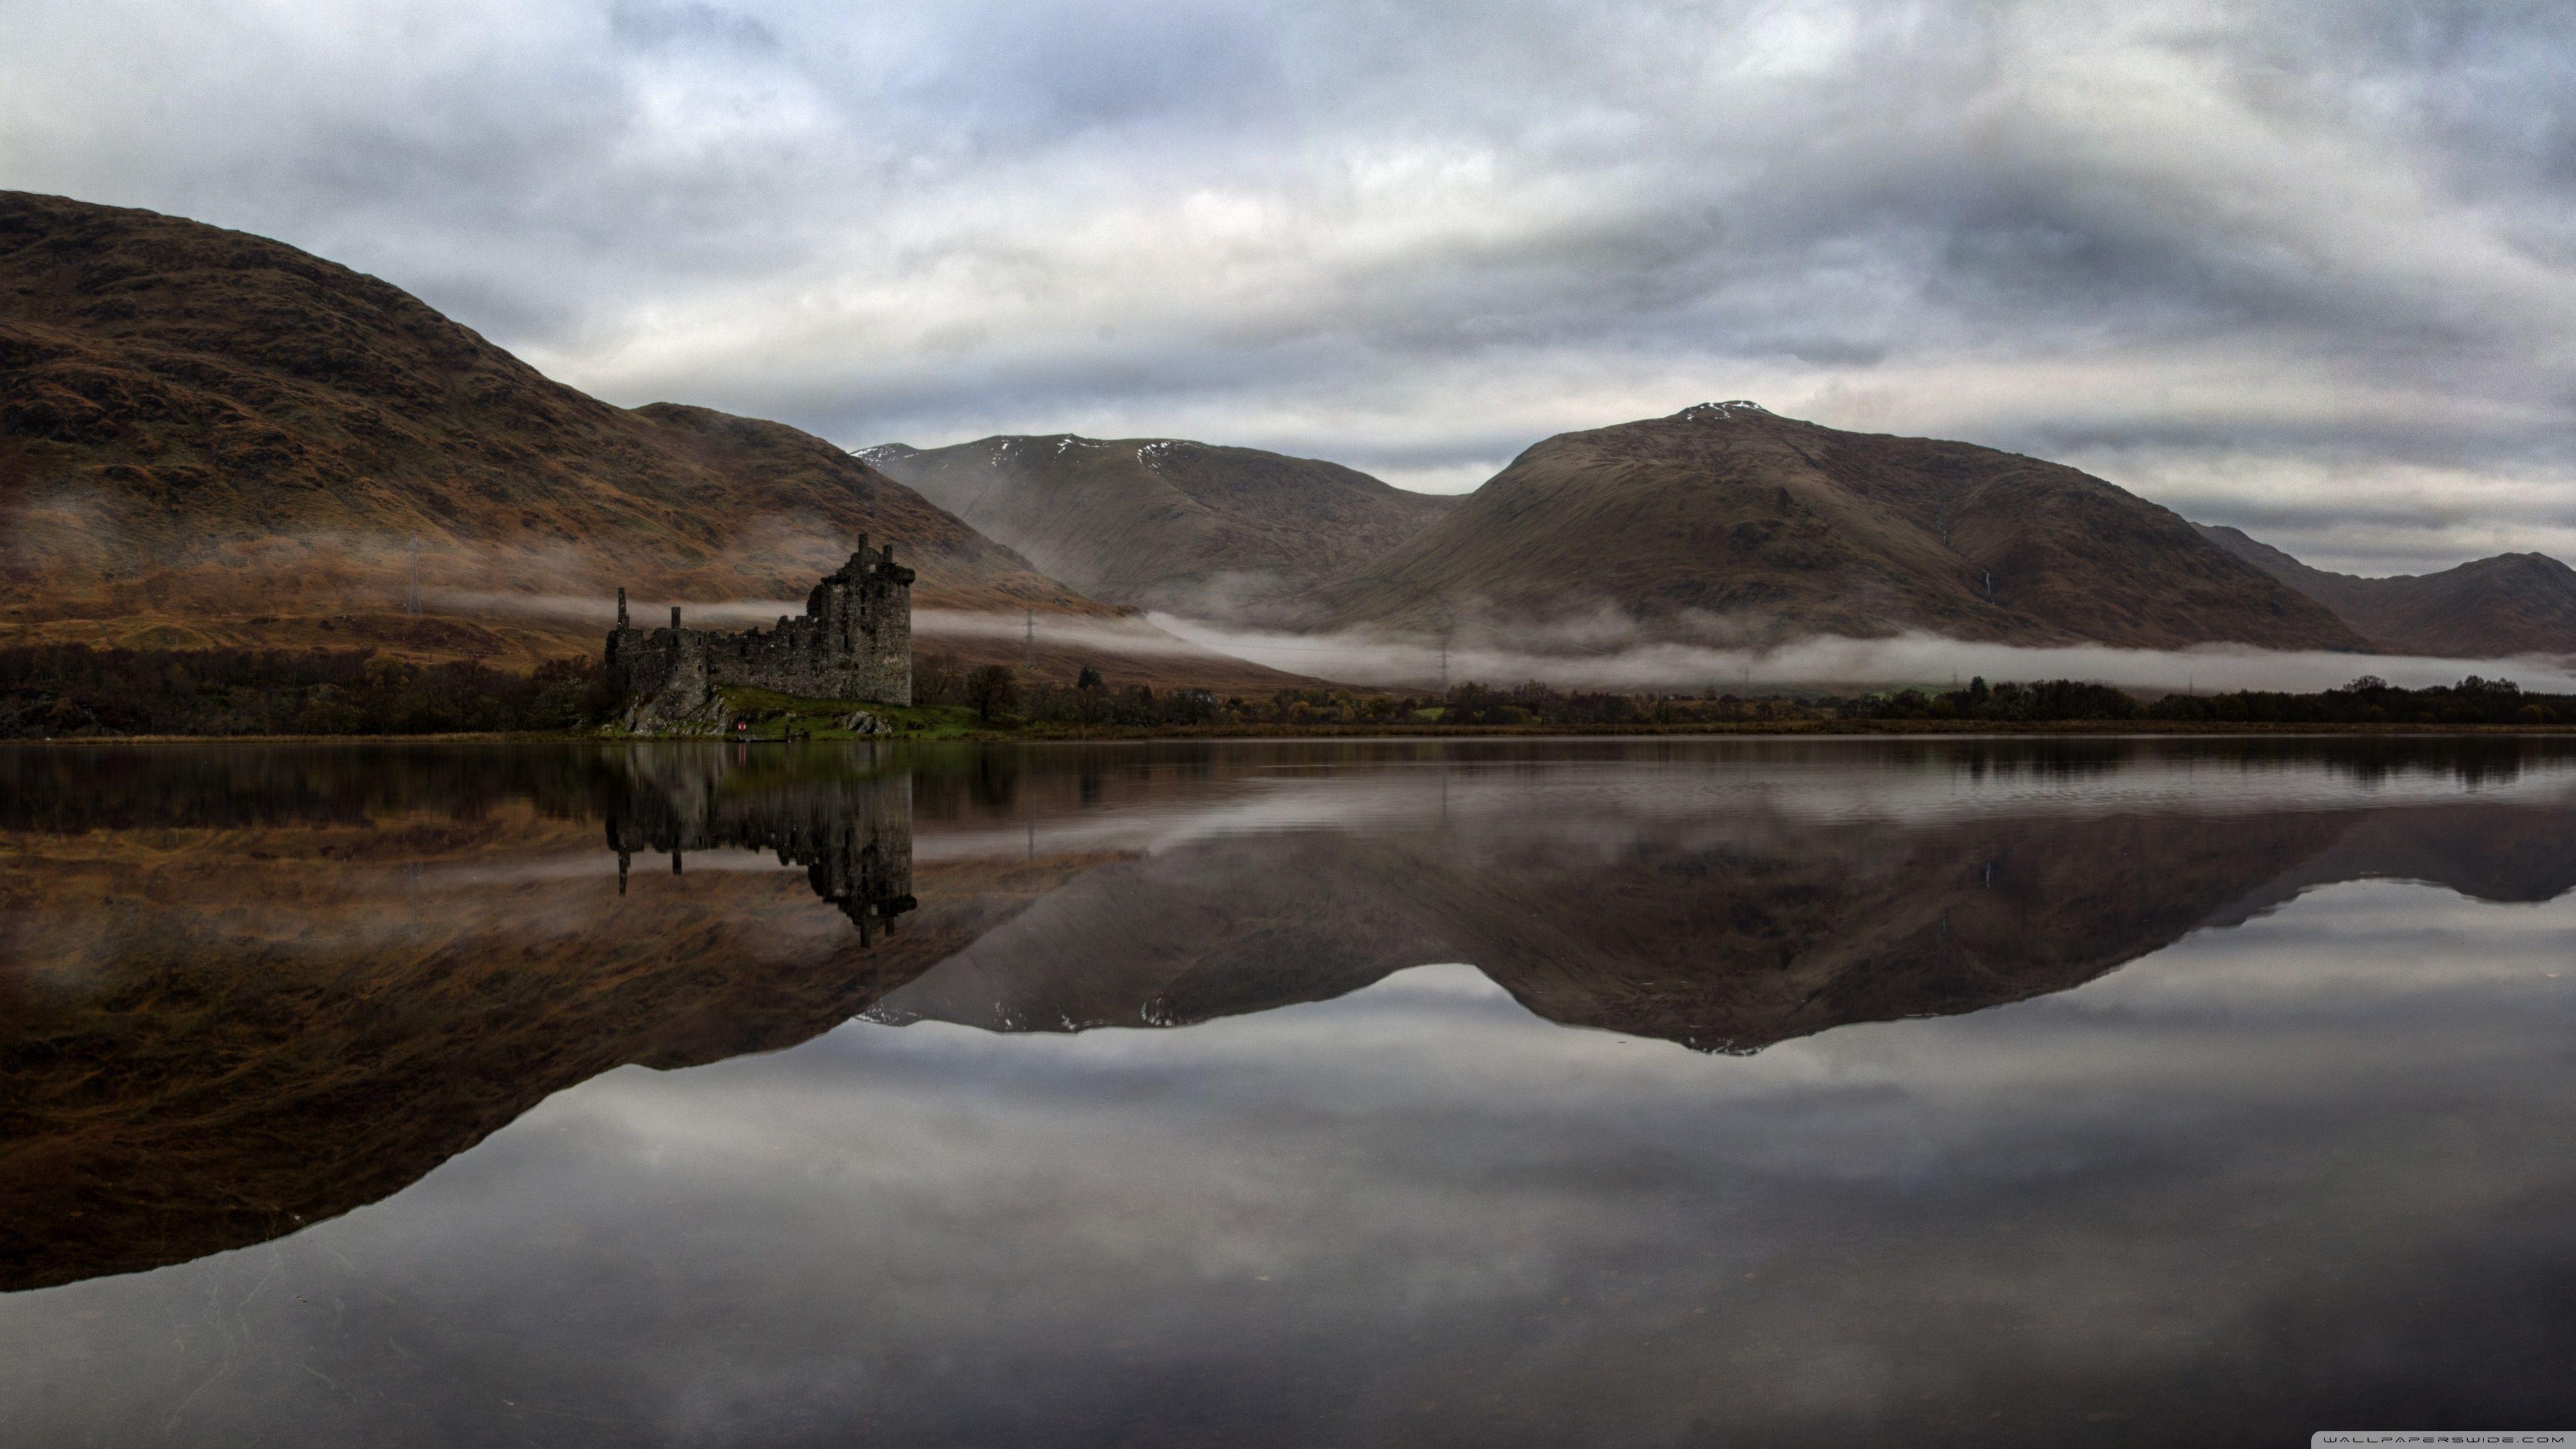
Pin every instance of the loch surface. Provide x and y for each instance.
(1495, 1092)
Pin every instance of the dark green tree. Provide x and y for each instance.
(991, 690)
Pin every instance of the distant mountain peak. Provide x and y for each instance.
(1191, 527)
(1771, 529)
(1017, 444)
(1720, 411)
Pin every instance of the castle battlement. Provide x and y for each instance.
(854, 641)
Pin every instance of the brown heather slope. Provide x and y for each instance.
(1728, 523)
(209, 438)
(2489, 608)
(1164, 523)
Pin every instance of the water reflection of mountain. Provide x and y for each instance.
(246, 989)
(1727, 935)
(212, 1034)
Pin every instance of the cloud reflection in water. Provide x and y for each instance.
(2310, 1164)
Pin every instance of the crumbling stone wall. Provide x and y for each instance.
(853, 642)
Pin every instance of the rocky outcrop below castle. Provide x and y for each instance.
(854, 641)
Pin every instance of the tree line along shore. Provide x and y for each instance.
(78, 692)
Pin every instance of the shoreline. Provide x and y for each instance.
(1894, 729)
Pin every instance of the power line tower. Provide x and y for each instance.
(1031, 663)
(411, 595)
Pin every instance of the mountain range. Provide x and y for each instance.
(2513, 603)
(209, 438)
(1722, 524)
(1165, 523)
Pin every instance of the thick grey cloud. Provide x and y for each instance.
(2307, 269)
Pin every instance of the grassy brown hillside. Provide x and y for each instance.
(1162, 523)
(2513, 603)
(211, 438)
(1727, 523)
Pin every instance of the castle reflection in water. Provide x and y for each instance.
(853, 836)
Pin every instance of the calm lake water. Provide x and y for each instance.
(1500, 1092)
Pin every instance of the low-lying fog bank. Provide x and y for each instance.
(1605, 654)
(1566, 659)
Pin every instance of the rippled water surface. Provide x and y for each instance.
(1499, 1092)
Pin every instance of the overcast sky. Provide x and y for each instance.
(2306, 268)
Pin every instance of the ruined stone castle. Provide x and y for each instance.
(854, 642)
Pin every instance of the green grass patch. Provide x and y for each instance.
(771, 712)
